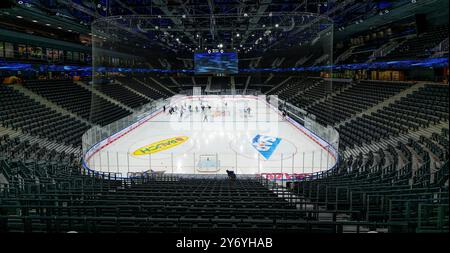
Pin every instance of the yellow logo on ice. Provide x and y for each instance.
(160, 145)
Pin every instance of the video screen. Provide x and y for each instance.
(216, 62)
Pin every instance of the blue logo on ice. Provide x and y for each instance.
(265, 145)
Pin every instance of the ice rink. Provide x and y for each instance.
(243, 134)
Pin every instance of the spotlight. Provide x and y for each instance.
(19, 16)
(35, 21)
(276, 25)
(47, 24)
(245, 15)
(237, 35)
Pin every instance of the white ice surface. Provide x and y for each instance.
(227, 134)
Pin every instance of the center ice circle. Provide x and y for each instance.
(243, 146)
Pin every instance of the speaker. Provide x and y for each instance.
(421, 23)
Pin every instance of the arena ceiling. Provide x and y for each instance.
(236, 24)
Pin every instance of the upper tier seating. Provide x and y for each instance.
(78, 100)
(420, 46)
(122, 95)
(20, 112)
(358, 57)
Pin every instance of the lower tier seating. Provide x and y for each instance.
(20, 112)
(423, 108)
(78, 100)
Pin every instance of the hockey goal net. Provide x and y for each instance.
(208, 163)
